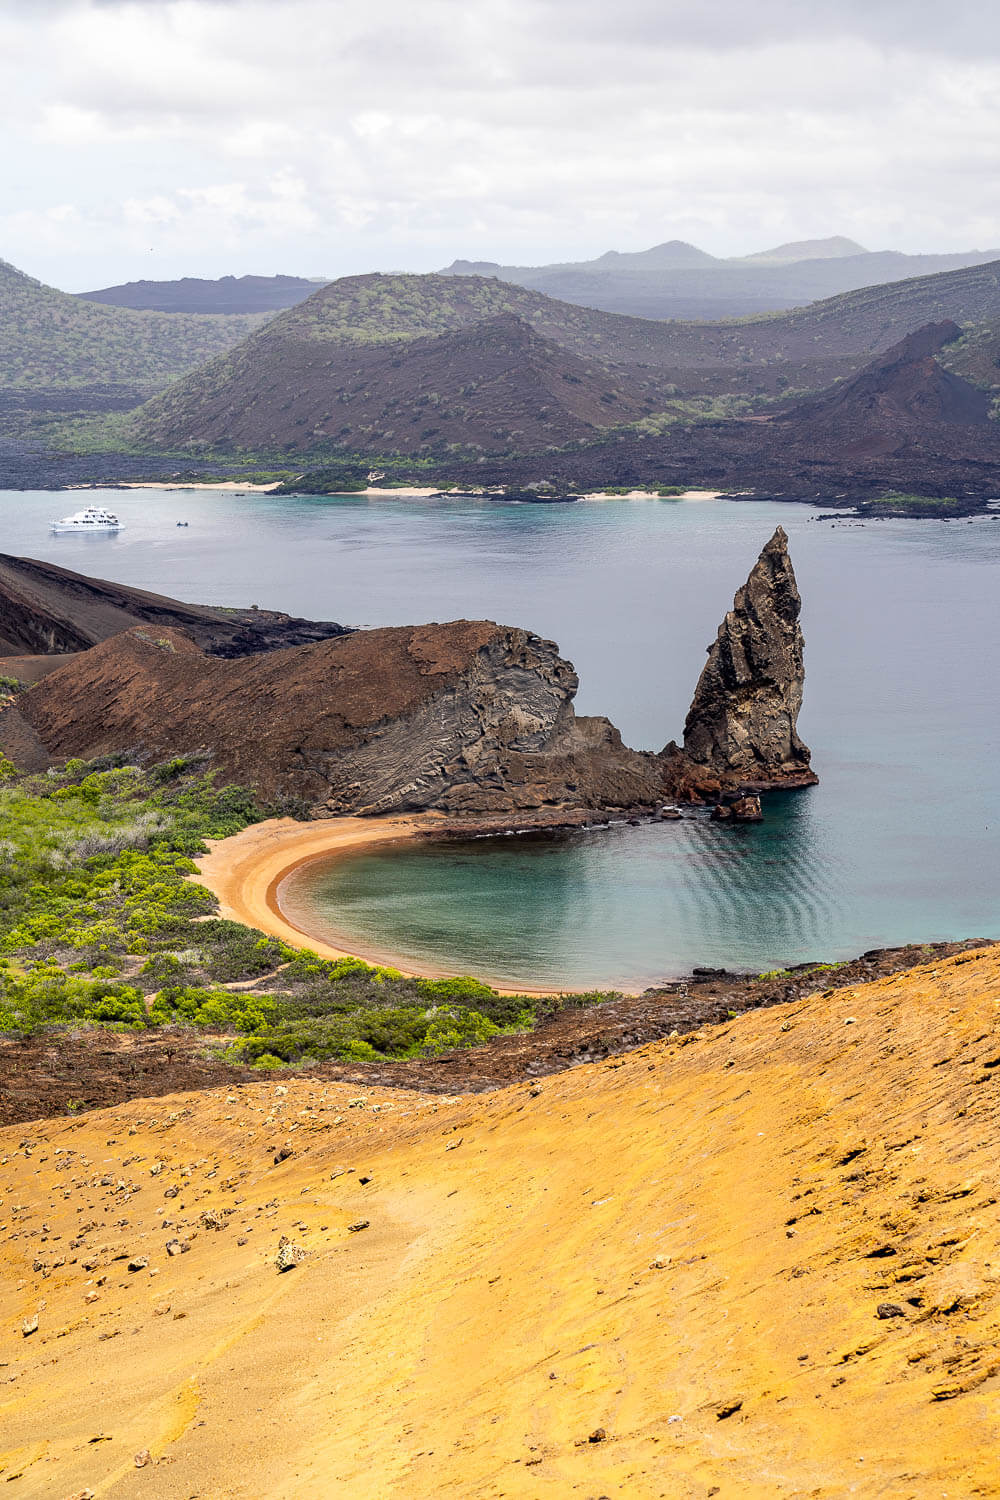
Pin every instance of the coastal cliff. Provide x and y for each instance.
(468, 718)
(464, 717)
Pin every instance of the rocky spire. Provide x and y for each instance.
(741, 724)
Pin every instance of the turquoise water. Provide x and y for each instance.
(899, 842)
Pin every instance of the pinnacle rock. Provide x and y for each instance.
(742, 722)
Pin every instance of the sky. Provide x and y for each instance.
(161, 138)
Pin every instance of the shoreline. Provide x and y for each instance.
(246, 871)
(402, 492)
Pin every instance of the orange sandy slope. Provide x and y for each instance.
(639, 1246)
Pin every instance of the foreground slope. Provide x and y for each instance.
(763, 1262)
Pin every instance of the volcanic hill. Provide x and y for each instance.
(51, 340)
(193, 294)
(760, 1261)
(906, 421)
(905, 397)
(495, 385)
(376, 364)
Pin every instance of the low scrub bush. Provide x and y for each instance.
(101, 925)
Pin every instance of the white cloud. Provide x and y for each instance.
(201, 136)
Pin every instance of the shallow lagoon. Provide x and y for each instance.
(900, 842)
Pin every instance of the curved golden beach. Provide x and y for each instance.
(245, 872)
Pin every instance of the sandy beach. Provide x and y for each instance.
(223, 484)
(653, 495)
(246, 871)
(407, 492)
(236, 486)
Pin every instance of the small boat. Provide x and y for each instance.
(94, 519)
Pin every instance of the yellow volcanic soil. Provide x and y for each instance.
(641, 1246)
(245, 871)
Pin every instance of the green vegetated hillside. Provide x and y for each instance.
(431, 365)
(101, 926)
(976, 355)
(49, 339)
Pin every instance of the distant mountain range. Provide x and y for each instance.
(478, 379)
(191, 294)
(50, 340)
(670, 280)
(677, 280)
(449, 367)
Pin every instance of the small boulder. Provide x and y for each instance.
(889, 1310)
(359, 1224)
(747, 810)
(289, 1255)
(727, 1408)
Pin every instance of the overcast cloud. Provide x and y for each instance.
(320, 137)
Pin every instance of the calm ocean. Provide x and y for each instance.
(899, 842)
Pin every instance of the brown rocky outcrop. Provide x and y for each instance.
(469, 718)
(466, 717)
(742, 723)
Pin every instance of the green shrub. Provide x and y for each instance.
(94, 882)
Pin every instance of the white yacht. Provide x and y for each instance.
(95, 518)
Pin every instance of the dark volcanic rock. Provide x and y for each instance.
(904, 394)
(45, 609)
(742, 720)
